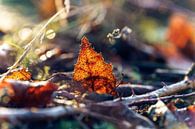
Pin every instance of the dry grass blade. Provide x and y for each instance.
(60, 5)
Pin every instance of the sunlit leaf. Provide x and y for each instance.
(92, 71)
(19, 74)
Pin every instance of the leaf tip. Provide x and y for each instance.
(84, 42)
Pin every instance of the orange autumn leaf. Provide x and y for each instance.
(92, 71)
(191, 108)
(26, 94)
(19, 74)
(180, 31)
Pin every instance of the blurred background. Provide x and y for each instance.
(145, 40)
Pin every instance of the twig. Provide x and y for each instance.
(187, 83)
(165, 91)
(12, 114)
(163, 98)
(126, 89)
(27, 115)
(60, 5)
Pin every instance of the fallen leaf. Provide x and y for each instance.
(19, 74)
(181, 33)
(93, 72)
(191, 108)
(180, 30)
(17, 93)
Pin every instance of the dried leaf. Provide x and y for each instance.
(93, 72)
(19, 74)
(191, 108)
(25, 94)
(180, 31)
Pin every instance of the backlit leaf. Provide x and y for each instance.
(92, 71)
(19, 74)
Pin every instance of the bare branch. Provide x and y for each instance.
(165, 91)
(163, 98)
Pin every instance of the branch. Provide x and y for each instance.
(123, 117)
(12, 114)
(163, 98)
(165, 91)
